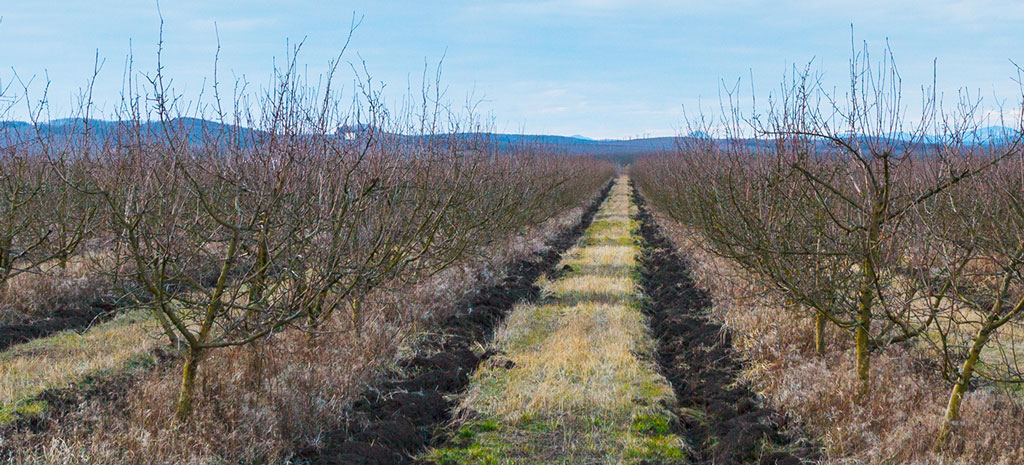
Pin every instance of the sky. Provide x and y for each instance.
(596, 68)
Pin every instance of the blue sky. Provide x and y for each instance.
(598, 68)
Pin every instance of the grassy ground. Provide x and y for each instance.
(574, 381)
(68, 357)
(908, 397)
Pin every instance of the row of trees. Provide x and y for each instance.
(892, 230)
(286, 213)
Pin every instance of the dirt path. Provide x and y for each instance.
(404, 414)
(575, 381)
(723, 420)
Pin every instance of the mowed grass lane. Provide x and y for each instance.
(69, 357)
(574, 381)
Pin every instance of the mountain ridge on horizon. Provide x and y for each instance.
(575, 144)
(195, 127)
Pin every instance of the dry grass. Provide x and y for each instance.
(583, 388)
(900, 421)
(30, 296)
(258, 404)
(67, 357)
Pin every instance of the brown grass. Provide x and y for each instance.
(30, 296)
(67, 357)
(258, 404)
(899, 423)
(583, 387)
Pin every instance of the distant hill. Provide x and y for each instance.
(196, 130)
(991, 134)
(577, 145)
(17, 125)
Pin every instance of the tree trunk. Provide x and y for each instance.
(5, 266)
(314, 315)
(863, 336)
(312, 329)
(188, 386)
(962, 382)
(869, 278)
(819, 333)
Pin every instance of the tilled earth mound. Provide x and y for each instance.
(724, 420)
(400, 417)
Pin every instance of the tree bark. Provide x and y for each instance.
(357, 317)
(863, 335)
(819, 333)
(188, 385)
(869, 278)
(956, 397)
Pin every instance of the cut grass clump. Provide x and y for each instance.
(666, 447)
(471, 430)
(650, 424)
(474, 454)
(583, 387)
(21, 408)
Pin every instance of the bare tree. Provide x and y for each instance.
(46, 209)
(977, 230)
(817, 202)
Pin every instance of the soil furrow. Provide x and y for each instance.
(401, 416)
(577, 381)
(724, 421)
(60, 320)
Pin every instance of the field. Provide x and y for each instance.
(317, 278)
(573, 313)
(870, 280)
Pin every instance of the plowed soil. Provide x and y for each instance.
(403, 415)
(724, 421)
